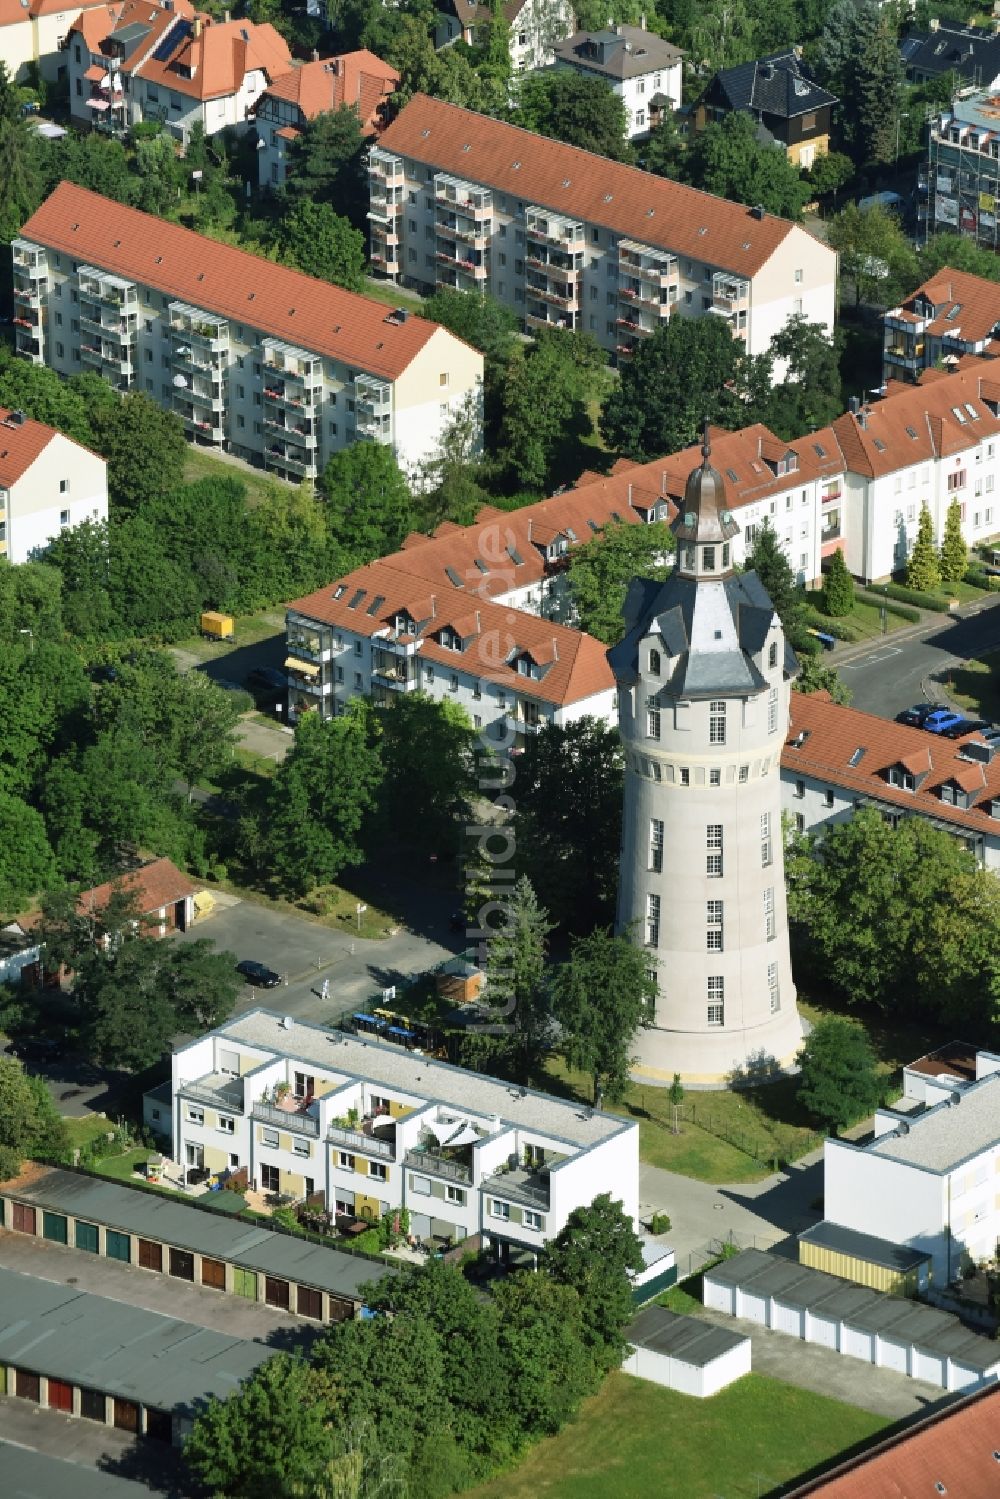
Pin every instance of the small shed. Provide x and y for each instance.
(864, 1259)
(459, 981)
(659, 1270)
(685, 1353)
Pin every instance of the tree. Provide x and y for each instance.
(723, 34)
(922, 569)
(876, 90)
(323, 244)
(326, 164)
(27, 865)
(810, 395)
(728, 159)
(573, 859)
(874, 253)
(593, 1252)
(270, 1439)
(496, 70)
(42, 394)
(601, 570)
(838, 1083)
(959, 253)
(689, 369)
(663, 154)
(160, 174)
(319, 799)
(428, 807)
(676, 1091)
(600, 998)
(368, 503)
(814, 677)
(549, 1368)
(515, 953)
(20, 188)
(199, 726)
(574, 108)
(954, 558)
(477, 318)
(29, 1123)
(145, 449)
(767, 559)
(838, 588)
(543, 400)
(829, 173)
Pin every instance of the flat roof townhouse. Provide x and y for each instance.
(373, 1127)
(925, 445)
(564, 237)
(952, 315)
(928, 1178)
(259, 360)
(142, 61)
(637, 65)
(355, 80)
(48, 483)
(836, 759)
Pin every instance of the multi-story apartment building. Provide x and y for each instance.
(962, 180)
(836, 759)
(566, 238)
(637, 65)
(153, 62)
(356, 80)
(48, 483)
(372, 1126)
(257, 359)
(952, 315)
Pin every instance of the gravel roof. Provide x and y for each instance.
(950, 1132)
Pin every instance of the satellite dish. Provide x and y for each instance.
(180, 382)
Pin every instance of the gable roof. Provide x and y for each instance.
(970, 51)
(22, 441)
(914, 423)
(212, 61)
(156, 884)
(222, 279)
(774, 85)
(535, 169)
(359, 80)
(954, 305)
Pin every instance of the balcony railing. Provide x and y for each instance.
(228, 1096)
(437, 1165)
(518, 1190)
(297, 1124)
(356, 1139)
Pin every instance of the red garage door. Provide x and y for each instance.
(60, 1395)
(23, 1218)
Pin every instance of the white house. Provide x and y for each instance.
(535, 27)
(35, 31)
(371, 1126)
(48, 484)
(637, 65)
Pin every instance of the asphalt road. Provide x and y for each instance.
(888, 676)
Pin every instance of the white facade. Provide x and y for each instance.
(62, 485)
(684, 1354)
(635, 64)
(371, 1127)
(534, 30)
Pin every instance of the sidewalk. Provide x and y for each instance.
(850, 651)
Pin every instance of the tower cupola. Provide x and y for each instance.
(704, 527)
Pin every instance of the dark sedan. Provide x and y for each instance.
(258, 974)
(916, 715)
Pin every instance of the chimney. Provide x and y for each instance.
(197, 26)
(315, 54)
(757, 211)
(854, 405)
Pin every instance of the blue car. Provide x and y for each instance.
(941, 720)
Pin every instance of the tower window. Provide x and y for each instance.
(717, 723)
(713, 920)
(713, 844)
(716, 1014)
(725, 555)
(765, 839)
(652, 718)
(772, 984)
(772, 710)
(744, 774)
(772, 655)
(708, 559)
(715, 777)
(652, 921)
(685, 776)
(769, 925)
(654, 663)
(656, 844)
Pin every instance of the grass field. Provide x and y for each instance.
(394, 296)
(82, 1131)
(250, 629)
(200, 464)
(975, 686)
(634, 1440)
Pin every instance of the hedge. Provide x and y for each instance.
(901, 611)
(935, 601)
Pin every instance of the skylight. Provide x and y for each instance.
(731, 474)
(356, 600)
(880, 445)
(958, 413)
(911, 432)
(858, 756)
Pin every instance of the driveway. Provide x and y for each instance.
(908, 665)
(155, 1466)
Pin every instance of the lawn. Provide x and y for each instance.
(248, 629)
(122, 1167)
(635, 1440)
(82, 1131)
(975, 686)
(864, 621)
(395, 296)
(201, 464)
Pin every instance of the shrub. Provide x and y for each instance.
(935, 601)
(900, 611)
(659, 1223)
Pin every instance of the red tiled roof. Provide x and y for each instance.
(53, 7)
(358, 79)
(952, 1451)
(834, 734)
(156, 884)
(567, 180)
(94, 24)
(308, 313)
(213, 63)
(977, 302)
(21, 443)
(914, 423)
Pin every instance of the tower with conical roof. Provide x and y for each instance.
(704, 676)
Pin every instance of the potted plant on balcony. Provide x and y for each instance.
(281, 1092)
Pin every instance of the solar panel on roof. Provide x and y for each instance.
(819, 450)
(178, 32)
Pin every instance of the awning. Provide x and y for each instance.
(397, 1030)
(465, 1136)
(98, 104)
(304, 668)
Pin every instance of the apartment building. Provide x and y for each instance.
(640, 67)
(356, 80)
(948, 318)
(928, 1178)
(565, 238)
(962, 178)
(371, 1126)
(48, 484)
(837, 759)
(257, 360)
(143, 61)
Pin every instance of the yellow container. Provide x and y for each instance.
(217, 626)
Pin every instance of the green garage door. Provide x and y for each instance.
(118, 1246)
(86, 1236)
(245, 1283)
(54, 1227)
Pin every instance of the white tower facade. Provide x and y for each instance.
(704, 676)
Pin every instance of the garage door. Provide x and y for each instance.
(23, 1218)
(213, 1273)
(786, 1319)
(182, 1264)
(27, 1385)
(150, 1254)
(93, 1406)
(60, 1395)
(54, 1228)
(928, 1366)
(86, 1236)
(719, 1298)
(126, 1414)
(117, 1246)
(159, 1425)
(895, 1356)
(245, 1283)
(822, 1330)
(858, 1344)
(276, 1292)
(754, 1308)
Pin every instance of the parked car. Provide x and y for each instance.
(966, 727)
(916, 715)
(941, 720)
(258, 974)
(267, 679)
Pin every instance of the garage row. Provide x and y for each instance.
(888, 1331)
(190, 1244)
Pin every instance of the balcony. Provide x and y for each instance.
(218, 1089)
(290, 371)
(358, 1140)
(383, 166)
(652, 264)
(831, 532)
(553, 229)
(205, 330)
(538, 320)
(302, 464)
(294, 1120)
(463, 197)
(29, 259)
(829, 495)
(567, 297)
(105, 290)
(105, 325)
(209, 431)
(529, 1187)
(210, 399)
(730, 294)
(431, 1163)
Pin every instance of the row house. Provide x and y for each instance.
(568, 239)
(48, 484)
(370, 1127)
(356, 80)
(142, 61)
(951, 317)
(960, 186)
(274, 366)
(535, 27)
(837, 759)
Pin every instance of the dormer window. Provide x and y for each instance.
(901, 777)
(654, 663)
(772, 655)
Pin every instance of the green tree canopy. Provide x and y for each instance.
(838, 1083)
(601, 570)
(815, 677)
(571, 107)
(544, 398)
(594, 1252)
(28, 1119)
(368, 502)
(923, 569)
(428, 807)
(838, 587)
(663, 154)
(515, 950)
(728, 159)
(27, 865)
(541, 1341)
(600, 998)
(960, 252)
(874, 253)
(477, 318)
(326, 164)
(20, 182)
(954, 559)
(768, 560)
(145, 449)
(323, 244)
(810, 395)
